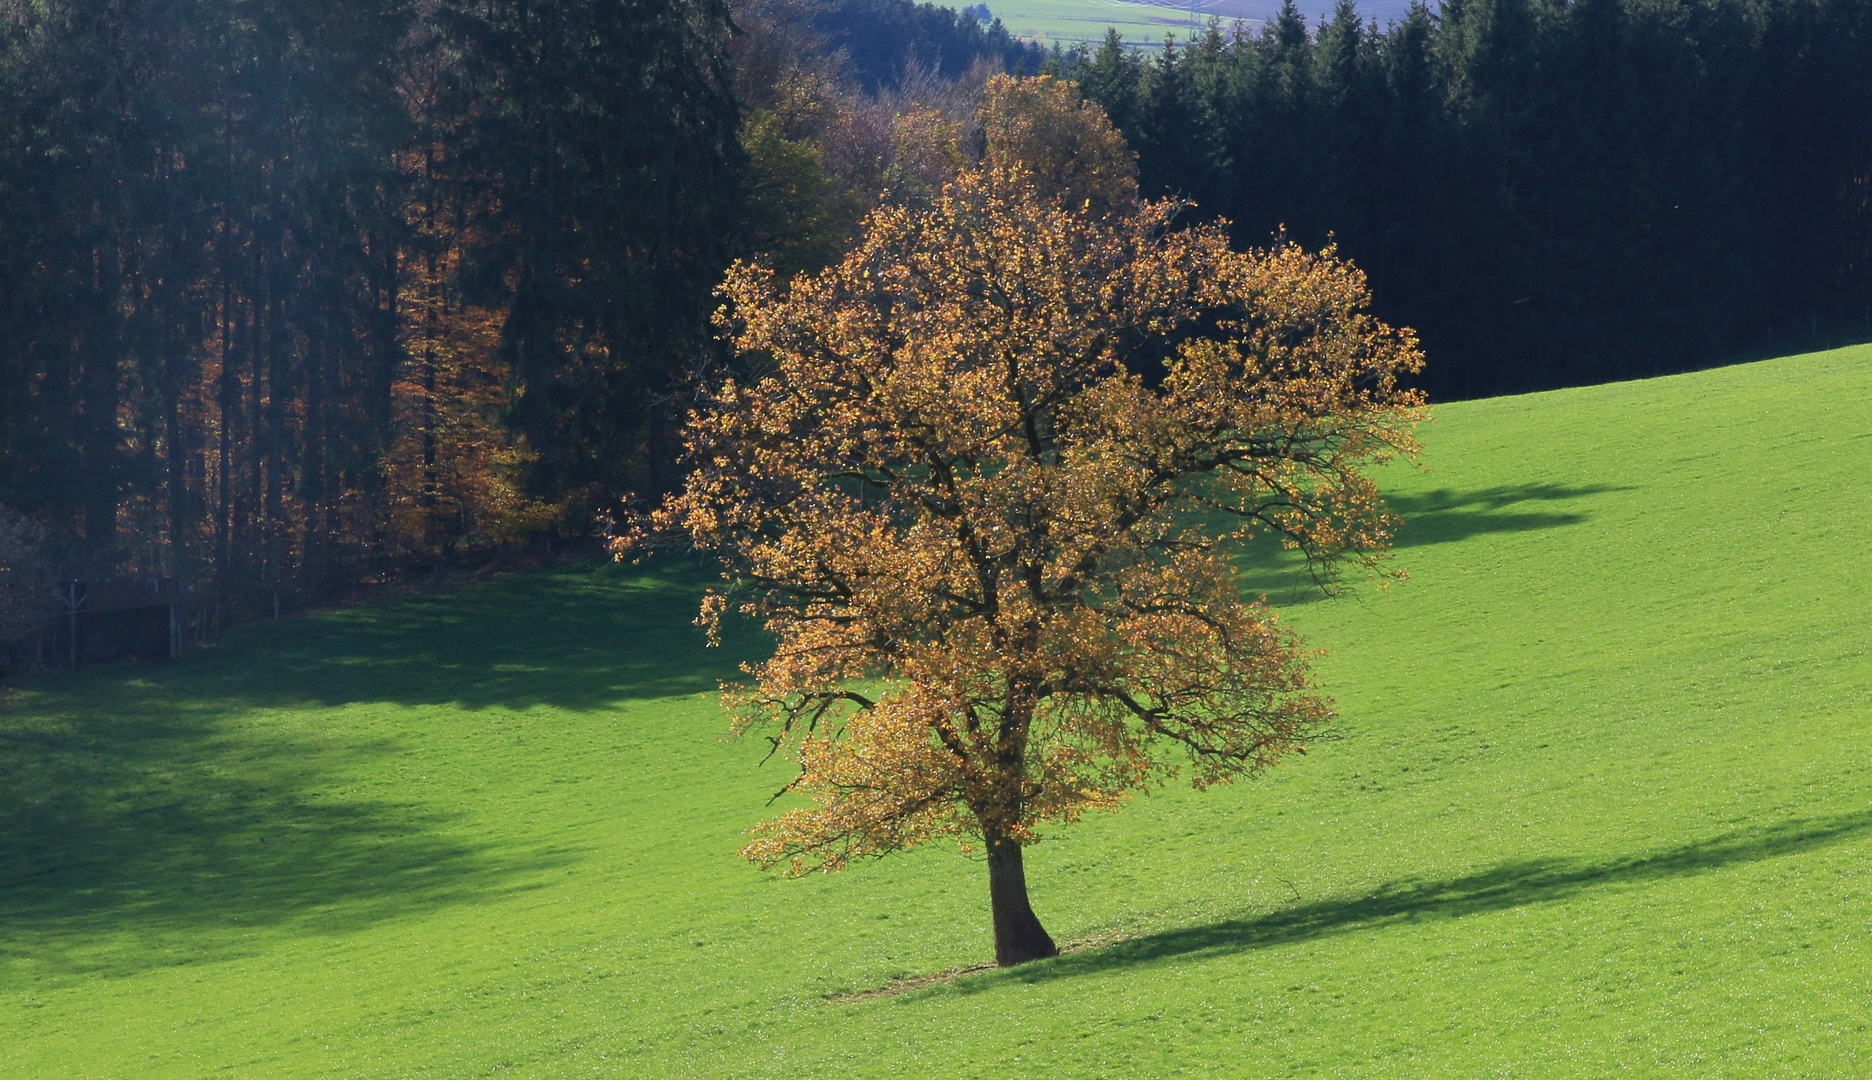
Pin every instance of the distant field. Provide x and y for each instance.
(1070, 21)
(1601, 804)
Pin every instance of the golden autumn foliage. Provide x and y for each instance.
(1066, 146)
(451, 468)
(994, 557)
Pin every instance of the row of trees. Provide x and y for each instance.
(290, 290)
(287, 288)
(1551, 191)
(886, 39)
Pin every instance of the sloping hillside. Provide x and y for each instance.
(1602, 801)
(1146, 22)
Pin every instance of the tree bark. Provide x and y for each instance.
(1019, 937)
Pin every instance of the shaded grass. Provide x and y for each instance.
(158, 803)
(1598, 804)
(540, 640)
(165, 826)
(1439, 516)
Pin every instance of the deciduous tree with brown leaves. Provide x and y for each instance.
(994, 556)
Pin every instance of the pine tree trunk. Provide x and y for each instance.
(1019, 937)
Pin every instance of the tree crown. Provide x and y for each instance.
(995, 559)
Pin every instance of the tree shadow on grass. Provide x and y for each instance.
(1508, 885)
(144, 813)
(580, 638)
(156, 836)
(1442, 516)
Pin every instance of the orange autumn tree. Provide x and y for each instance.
(994, 557)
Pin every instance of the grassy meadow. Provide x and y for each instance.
(1601, 802)
(1071, 22)
(1143, 23)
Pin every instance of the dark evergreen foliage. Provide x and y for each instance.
(1552, 191)
(200, 211)
(597, 143)
(207, 252)
(226, 226)
(886, 38)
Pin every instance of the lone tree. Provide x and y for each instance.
(994, 554)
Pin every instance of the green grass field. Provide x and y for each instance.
(1602, 803)
(1075, 21)
(1145, 24)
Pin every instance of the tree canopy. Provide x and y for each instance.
(294, 293)
(1551, 191)
(297, 294)
(995, 559)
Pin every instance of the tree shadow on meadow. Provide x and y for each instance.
(582, 638)
(157, 837)
(1444, 516)
(147, 806)
(1441, 516)
(1508, 885)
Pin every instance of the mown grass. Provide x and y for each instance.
(1070, 22)
(1601, 802)
(1146, 24)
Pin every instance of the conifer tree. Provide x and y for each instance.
(600, 141)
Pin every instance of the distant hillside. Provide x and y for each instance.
(880, 35)
(884, 37)
(1263, 10)
(1147, 21)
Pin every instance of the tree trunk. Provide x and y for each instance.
(1019, 937)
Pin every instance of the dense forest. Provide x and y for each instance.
(1551, 192)
(884, 38)
(293, 294)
